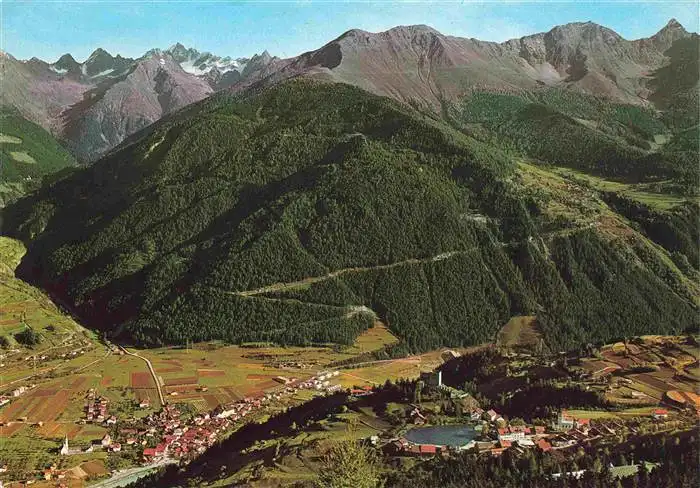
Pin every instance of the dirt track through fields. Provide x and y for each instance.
(152, 371)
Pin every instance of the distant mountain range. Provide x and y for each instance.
(94, 105)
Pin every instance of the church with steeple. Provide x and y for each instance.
(66, 450)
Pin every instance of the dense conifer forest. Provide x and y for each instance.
(305, 212)
(28, 153)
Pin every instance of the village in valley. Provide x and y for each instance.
(127, 426)
(444, 412)
(76, 409)
(119, 431)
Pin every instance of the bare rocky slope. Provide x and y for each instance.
(95, 105)
(419, 65)
(119, 107)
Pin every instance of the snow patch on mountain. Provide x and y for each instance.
(103, 73)
(204, 63)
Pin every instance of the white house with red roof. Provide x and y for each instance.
(660, 413)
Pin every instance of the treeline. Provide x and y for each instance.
(525, 398)
(590, 291)
(23, 137)
(542, 401)
(28, 154)
(676, 84)
(677, 230)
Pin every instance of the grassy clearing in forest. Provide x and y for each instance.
(640, 192)
(519, 331)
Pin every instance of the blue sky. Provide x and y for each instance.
(47, 29)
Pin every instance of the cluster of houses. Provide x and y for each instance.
(572, 431)
(55, 355)
(53, 473)
(96, 409)
(166, 435)
(180, 439)
(17, 392)
(499, 435)
(321, 382)
(185, 440)
(21, 390)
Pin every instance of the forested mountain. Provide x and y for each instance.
(300, 213)
(587, 133)
(27, 154)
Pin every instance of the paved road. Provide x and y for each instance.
(150, 368)
(128, 476)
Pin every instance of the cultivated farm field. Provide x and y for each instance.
(208, 375)
(647, 369)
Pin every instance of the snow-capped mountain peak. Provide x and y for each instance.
(201, 63)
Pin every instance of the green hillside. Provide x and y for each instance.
(27, 153)
(676, 84)
(586, 133)
(298, 215)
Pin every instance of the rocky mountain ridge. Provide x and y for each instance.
(413, 64)
(418, 64)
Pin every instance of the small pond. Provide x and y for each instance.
(443, 435)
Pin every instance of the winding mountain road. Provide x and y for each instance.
(275, 287)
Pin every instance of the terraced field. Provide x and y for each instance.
(668, 364)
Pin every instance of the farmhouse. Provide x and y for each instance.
(432, 378)
(419, 449)
(418, 417)
(543, 445)
(149, 453)
(106, 440)
(449, 355)
(492, 416)
(428, 449)
(660, 413)
(476, 414)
